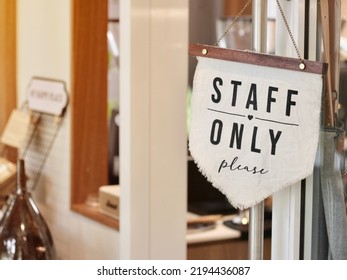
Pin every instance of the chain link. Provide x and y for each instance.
(233, 22)
(284, 20)
(288, 29)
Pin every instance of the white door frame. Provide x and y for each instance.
(287, 203)
(153, 139)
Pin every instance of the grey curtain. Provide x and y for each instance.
(333, 193)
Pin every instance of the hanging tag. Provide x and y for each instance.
(255, 121)
(47, 96)
(16, 129)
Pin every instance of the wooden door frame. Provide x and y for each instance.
(89, 131)
(8, 97)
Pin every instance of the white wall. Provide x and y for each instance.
(44, 49)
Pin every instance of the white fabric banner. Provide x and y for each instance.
(253, 130)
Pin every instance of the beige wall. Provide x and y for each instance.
(44, 49)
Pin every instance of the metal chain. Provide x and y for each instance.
(233, 22)
(288, 29)
(302, 66)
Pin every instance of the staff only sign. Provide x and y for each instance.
(255, 121)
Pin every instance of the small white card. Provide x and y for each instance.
(16, 129)
(7, 170)
(47, 96)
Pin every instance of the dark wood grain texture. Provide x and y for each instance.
(260, 59)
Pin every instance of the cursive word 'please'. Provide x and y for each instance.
(234, 166)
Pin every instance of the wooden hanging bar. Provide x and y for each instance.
(257, 58)
(330, 23)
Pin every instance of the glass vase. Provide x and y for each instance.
(24, 234)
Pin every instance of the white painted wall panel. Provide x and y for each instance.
(153, 162)
(44, 49)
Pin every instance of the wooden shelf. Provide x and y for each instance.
(94, 214)
(89, 131)
(230, 249)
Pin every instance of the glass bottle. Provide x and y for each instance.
(24, 234)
